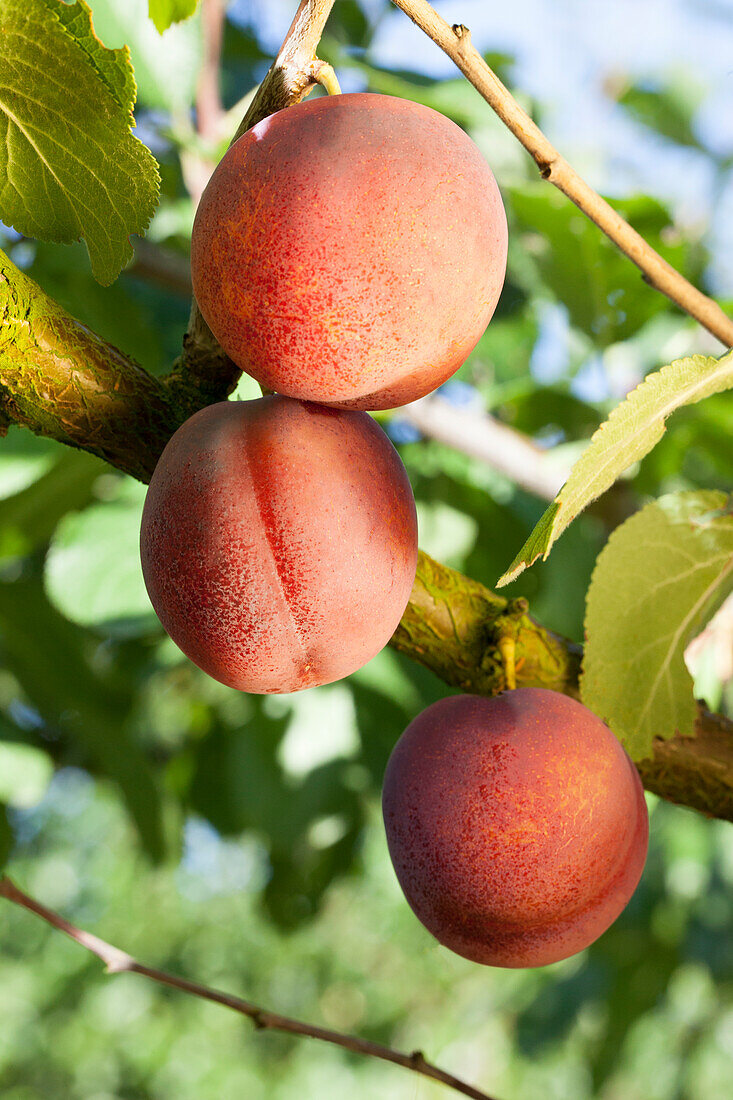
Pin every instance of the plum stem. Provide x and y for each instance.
(325, 75)
(117, 962)
(506, 631)
(289, 79)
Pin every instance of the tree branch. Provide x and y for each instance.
(456, 42)
(293, 74)
(455, 627)
(117, 962)
(61, 380)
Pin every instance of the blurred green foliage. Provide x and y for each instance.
(236, 839)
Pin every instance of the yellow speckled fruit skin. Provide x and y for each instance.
(517, 825)
(350, 250)
(279, 542)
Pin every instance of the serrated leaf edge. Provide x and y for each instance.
(655, 424)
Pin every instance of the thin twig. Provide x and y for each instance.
(456, 42)
(293, 73)
(117, 962)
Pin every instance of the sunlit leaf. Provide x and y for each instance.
(70, 165)
(25, 773)
(661, 574)
(165, 12)
(166, 66)
(92, 573)
(631, 431)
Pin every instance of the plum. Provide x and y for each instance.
(517, 825)
(350, 250)
(279, 542)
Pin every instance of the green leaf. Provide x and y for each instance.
(661, 574)
(165, 12)
(669, 111)
(23, 459)
(25, 772)
(603, 291)
(166, 67)
(70, 165)
(92, 573)
(113, 66)
(28, 519)
(631, 431)
(349, 25)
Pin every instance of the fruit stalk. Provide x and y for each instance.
(59, 379)
(293, 74)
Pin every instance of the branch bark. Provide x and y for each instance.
(61, 380)
(455, 627)
(293, 74)
(455, 41)
(117, 962)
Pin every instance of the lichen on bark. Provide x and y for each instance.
(59, 379)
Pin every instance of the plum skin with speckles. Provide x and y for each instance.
(279, 542)
(350, 250)
(517, 825)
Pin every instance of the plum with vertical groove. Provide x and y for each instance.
(279, 542)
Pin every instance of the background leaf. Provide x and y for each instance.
(29, 518)
(603, 291)
(71, 166)
(668, 111)
(661, 574)
(631, 431)
(92, 571)
(52, 661)
(165, 12)
(166, 67)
